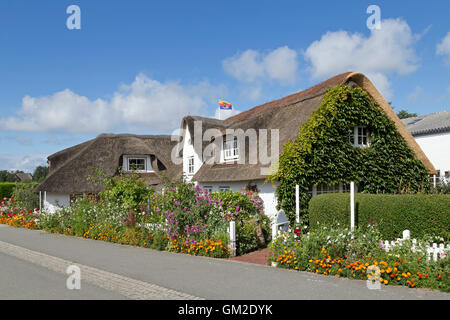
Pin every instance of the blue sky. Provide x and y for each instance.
(139, 66)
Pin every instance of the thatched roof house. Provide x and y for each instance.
(288, 115)
(69, 168)
(23, 177)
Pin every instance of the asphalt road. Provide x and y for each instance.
(197, 276)
(21, 280)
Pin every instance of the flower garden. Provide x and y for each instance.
(186, 219)
(360, 255)
(182, 218)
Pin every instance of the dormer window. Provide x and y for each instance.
(137, 163)
(230, 150)
(359, 137)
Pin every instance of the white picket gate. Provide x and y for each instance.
(434, 251)
(280, 224)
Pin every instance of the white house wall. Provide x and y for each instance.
(55, 201)
(266, 192)
(188, 151)
(437, 149)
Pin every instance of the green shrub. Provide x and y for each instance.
(230, 200)
(126, 189)
(25, 196)
(159, 240)
(422, 214)
(131, 236)
(6, 189)
(246, 239)
(50, 222)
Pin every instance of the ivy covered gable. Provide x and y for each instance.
(348, 138)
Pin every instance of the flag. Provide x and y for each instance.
(225, 105)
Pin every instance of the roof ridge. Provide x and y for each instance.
(283, 101)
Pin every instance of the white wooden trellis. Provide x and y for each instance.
(435, 251)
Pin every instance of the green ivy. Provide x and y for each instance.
(322, 152)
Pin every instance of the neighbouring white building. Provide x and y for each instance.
(432, 133)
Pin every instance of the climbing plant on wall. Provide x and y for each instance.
(323, 153)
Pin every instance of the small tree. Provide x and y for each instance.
(40, 173)
(6, 176)
(127, 189)
(25, 196)
(403, 114)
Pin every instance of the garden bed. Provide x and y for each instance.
(360, 255)
(182, 218)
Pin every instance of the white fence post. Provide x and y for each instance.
(274, 231)
(352, 206)
(406, 234)
(233, 238)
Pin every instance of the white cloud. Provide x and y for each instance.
(280, 65)
(443, 48)
(145, 104)
(386, 51)
(414, 96)
(26, 163)
(245, 66)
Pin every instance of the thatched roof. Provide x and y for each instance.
(288, 115)
(432, 123)
(23, 177)
(70, 167)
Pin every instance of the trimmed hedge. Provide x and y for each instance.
(6, 189)
(422, 214)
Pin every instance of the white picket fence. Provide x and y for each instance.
(434, 251)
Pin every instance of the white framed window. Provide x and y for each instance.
(327, 188)
(208, 188)
(137, 163)
(230, 150)
(359, 137)
(191, 165)
(224, 188)
(324, 188)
